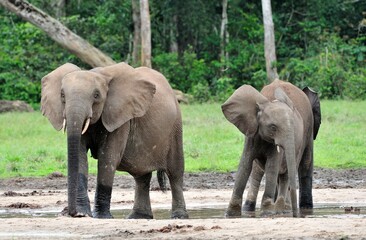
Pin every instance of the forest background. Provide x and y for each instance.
(321, 44)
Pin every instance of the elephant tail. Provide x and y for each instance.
(162, 180)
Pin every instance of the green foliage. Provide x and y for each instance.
(188, 75)
(336, 72)
(318, 43)
(26, 56)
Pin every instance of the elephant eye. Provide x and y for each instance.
(62, 97)
(273, 128)
(96, 94)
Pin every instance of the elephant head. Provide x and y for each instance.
(273, 121)
(73, 98)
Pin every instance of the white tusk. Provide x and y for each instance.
(86, 126)
(278, 148)
(64, 126)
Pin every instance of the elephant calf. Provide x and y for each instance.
(130, 121)
(279, 123)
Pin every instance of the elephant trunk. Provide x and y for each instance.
(73, 149)
(290, 155)
(74, 122)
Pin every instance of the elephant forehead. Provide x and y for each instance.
(276, 112)
(82, 80)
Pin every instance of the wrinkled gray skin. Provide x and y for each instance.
(135, 126)
(279, 128)
(258, 169)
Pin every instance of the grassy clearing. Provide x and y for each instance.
(31, 147)
(341, 142)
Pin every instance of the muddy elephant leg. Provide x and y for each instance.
(282, 196)
(178, 203)
(241, 179)
(82, 200)
(271, 171)
(306, 178)
(255, 181)
(175, 172)
(142, 205)
(109, 156)
(103, 192)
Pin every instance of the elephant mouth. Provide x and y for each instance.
(85, 128)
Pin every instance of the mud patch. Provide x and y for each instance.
(23, 205)
(169, 228)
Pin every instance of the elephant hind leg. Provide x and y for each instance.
(306, 178)
(142, 205)
(175, 172)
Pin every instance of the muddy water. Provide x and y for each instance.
(319, 211)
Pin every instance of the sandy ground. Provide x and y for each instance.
(48, 194)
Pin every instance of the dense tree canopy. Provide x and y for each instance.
(318, 43)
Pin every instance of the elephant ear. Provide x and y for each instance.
(281, 96)
(129, 95)
(315, 105)
(241, 109)
(51, 105)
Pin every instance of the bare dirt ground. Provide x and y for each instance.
(345, 188)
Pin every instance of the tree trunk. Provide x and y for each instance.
(224, 36)
(269, 41)
(58, 32)
(58, 8)
(136, 16)
(145, 34)
(173, 34)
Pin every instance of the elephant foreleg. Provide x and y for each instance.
(241, 179)
(103, 192)
(271, 171)
(282, 201)
(142, 205)
(255, 181)
(82, 200)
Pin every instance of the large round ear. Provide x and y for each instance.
(51, 105)
(129, 95)
(241, 109)
(281, 96)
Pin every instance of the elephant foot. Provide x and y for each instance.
(80, 212)
(268, 205)
(233, 210)
(179, 214)
(306, 211)
(102, 215)
(280, 205)
(139, 215)
(249, 206)
(267, 208)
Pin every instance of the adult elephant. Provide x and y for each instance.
(279, 127)
(130, 120)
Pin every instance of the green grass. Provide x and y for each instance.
(29, 146)
(341, 142)
(211, 143)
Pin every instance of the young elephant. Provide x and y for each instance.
(279, 128)
(130, 120)
(258, 169)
